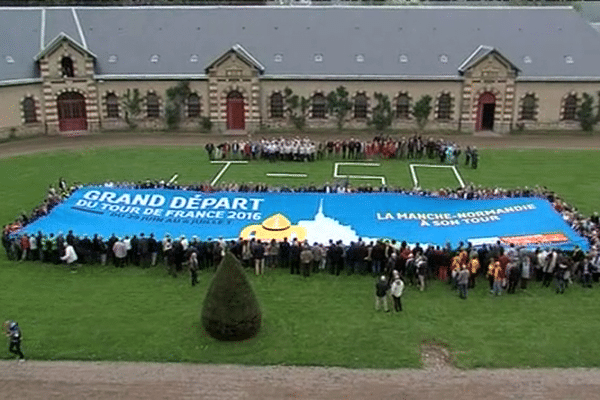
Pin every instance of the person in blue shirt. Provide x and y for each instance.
(13, 332)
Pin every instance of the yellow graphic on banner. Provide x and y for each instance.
(276, 227)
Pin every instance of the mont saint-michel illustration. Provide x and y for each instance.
(320, 229)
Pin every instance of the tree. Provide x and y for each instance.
(175, 107)
(132, 105)
(231, 311)
(598, 108)
(296, 108)
(339, 105)
(421, 110)
(382, 112)
(585, 113)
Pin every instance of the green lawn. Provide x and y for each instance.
(145, 315)
(25, 179)
(107, 314)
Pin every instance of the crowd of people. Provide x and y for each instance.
(505, 267)
(415, 264)
(305, 149)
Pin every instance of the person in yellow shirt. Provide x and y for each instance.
(473, 268)
(490, 273)
(455, 267)
(499, 277)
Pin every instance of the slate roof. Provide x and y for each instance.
(590, 10)
(393, 42)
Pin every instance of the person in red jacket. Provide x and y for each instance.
(24, 247)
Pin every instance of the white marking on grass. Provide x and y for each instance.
(225, 167)
(413, 172)
(336, 173)
(285, 175)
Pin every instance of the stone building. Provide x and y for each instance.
(69, 69)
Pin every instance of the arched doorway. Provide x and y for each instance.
(235, 111)
(71, 112)
(485, 112)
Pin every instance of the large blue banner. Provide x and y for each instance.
(316, 217)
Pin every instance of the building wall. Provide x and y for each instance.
(55, 83)
(120, 87)
(550, 102)
(12, 120)
(551, 96)
(415, 90)
(231, 73)
(492, 75)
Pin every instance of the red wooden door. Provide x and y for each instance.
(71, 112)
(235, 111)
(486, 98)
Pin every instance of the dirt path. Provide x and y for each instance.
(53, 143)
(438, 380)
(86, 380)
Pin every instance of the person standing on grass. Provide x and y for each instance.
(193, 267)
(473, 268)
(462, 281)
(549, 267)
(525, 267)
(119, 250)
(512, 273)
(561, 274)
(498, 276)
(70, 257)
(295, 250)
(586, 272)
(258, 256)
(396, 291)
(504, 260)
(381, 289)
(13, 332)
(306, 259)
(421, 264)
(25, 246)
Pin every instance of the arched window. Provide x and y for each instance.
(67, 68)
(277, 105)
(360, 106)
(319, 106)
(193, 106)
(528, 107)
(570, 108)
(152, 106)
(112, 105)
(444, 107)
(403, 106)
(29, 110)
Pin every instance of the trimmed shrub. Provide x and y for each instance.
(231, 311)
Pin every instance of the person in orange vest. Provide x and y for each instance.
(464, 257)
(473, 267)
(499, 276)
(490, 273)
(24, 239)
(455, 266)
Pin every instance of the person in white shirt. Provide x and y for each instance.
(396, 291)
(70, 257)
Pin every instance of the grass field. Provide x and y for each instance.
(145, 315)
(132, 314)
(573, 174)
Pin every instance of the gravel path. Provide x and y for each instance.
(438, 380)
(53, 143)
(107, 380)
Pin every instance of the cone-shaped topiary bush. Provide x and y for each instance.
(231, 310)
